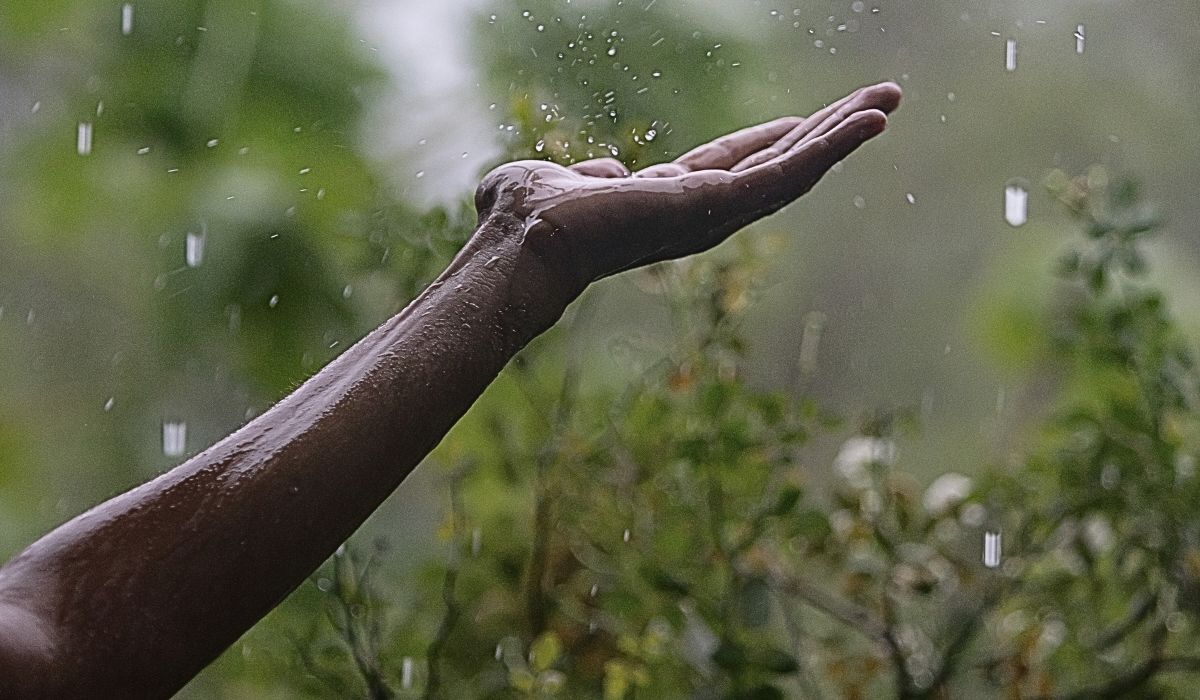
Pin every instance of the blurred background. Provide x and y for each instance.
(201, 203)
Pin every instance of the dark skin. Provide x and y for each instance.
(134, 597)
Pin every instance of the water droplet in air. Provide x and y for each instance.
(1010, 55)
(174, 438)
(625, 536)
(991, 549)
(143, 150)
(212, 143)
(1016, 204)
(406, 673)
(476, 541)
(127, 19)
(83, 138)
(499, 651)
(194, 248)
(912, 198)
(347, 291)
(108, 404)
(612, 51)
(274, 301)
(539, 146)
(1079, 38)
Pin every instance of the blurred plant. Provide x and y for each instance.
(661, 542)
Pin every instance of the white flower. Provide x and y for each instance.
(857, 454)
(946, 491)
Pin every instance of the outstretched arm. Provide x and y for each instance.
(134, 597)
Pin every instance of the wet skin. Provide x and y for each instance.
(134, 597)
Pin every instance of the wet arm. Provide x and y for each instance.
(134, 597)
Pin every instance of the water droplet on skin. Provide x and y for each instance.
(1016, 204)
(174, 438)
(991, 549)
(83, 138)
(1010, 55)
(127, 19)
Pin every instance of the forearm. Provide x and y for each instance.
(142, 591)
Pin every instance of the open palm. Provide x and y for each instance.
(598, 218)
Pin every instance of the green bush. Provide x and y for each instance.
(662, 542)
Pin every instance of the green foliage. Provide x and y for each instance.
(663, 542)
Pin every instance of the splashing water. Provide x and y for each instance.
(127, 19)
(991, 549)
(83, 138)
(1016, 204)
(1010, 55)
(174, 438)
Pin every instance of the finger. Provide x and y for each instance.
(884, 97)
(601, 167)
(662, 170)
(769, 186)
(731, 148)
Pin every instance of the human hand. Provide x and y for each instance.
(596, 218)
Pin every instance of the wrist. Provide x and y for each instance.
(533, 285)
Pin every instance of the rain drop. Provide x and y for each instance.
(912, 198)
(194, 248)
(174, 438)
(406, 673)
(991, 549)
(1010, 55)
(1016, 204)
(83, 138)
(127, 19)
(108, 404)
(274, 301)
(1079, 38)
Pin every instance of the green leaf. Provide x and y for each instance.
(788, 498)
(754, 601)
(544, 651)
